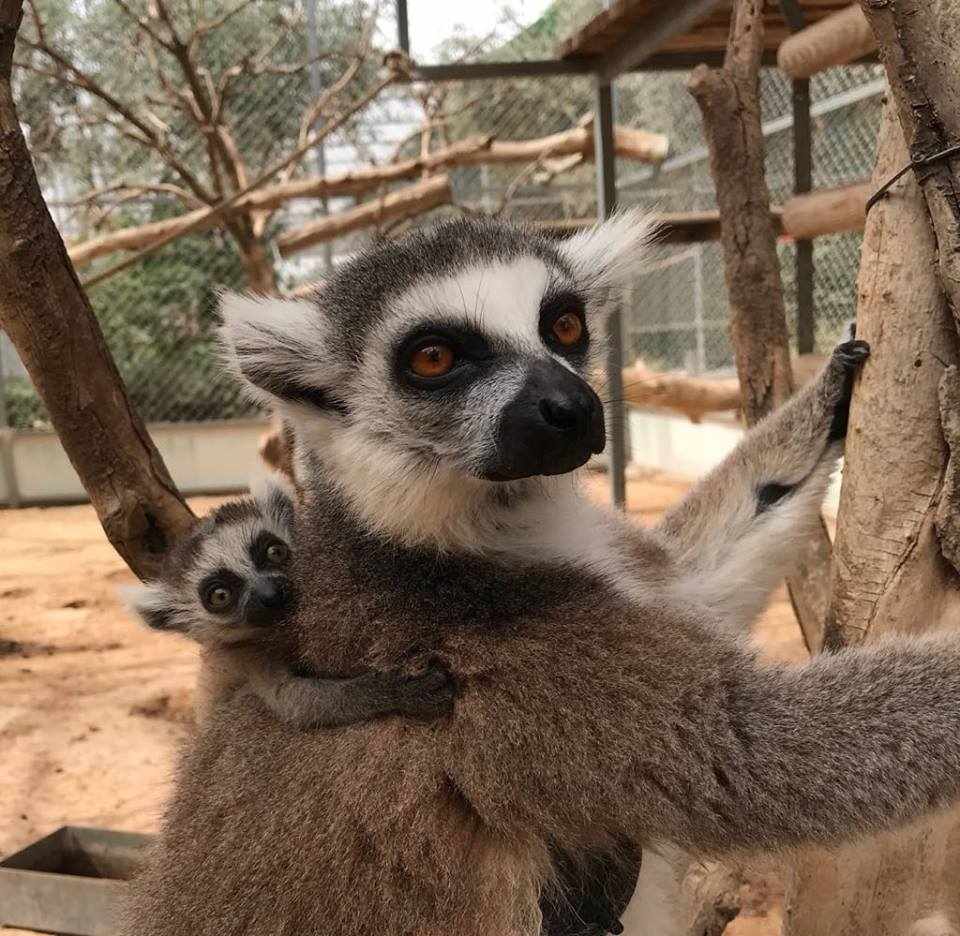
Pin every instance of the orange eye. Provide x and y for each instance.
(568, 329)
(433, 360)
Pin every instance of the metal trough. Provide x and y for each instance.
(71, 881)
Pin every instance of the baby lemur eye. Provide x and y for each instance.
(218, 598)
(435, 359)
(278, 554)
(568, 329)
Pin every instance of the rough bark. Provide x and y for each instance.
(838, 39)
(729, 101)
(889, 573)
(826, 211)
(920, 45)
(50, 322)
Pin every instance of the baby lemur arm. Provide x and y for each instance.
(737, 533)
(315, 702)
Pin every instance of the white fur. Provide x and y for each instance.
(611, 253)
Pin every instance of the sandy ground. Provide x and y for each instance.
(92, 707)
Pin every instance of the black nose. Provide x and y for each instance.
(271, 593)
(553, 425)
(563, 413)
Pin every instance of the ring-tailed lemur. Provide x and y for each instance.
(437, 390)
(227, 586)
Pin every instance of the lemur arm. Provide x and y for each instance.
(721, 755)
(736, 534)
(315, 702)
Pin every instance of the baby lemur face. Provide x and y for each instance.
(229, 578)
(462, 351)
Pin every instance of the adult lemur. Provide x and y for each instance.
(227, 586)
(436, 385)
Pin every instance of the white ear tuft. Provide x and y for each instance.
(278, 348)
(610, 253)
(151, 603)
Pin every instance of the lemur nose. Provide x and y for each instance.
(562, 413)
(271, 594)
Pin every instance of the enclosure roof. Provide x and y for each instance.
(602, 35)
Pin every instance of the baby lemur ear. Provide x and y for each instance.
(276, 498)
(151, 603)
(611, 253)
(280, 349)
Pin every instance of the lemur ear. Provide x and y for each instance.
(610, 253)
(276, 498)
(151, 603)
(279, 349)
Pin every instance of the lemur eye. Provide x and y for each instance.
(219, 598)
(568, 329)
(432, 360)
(277, 553)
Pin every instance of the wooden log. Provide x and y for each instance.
(694, 397)
(827, 211)
(837, 39)
(404, 203)
(49, 320)
(576, 143)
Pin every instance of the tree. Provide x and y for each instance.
(180, 99)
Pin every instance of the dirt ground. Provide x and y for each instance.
(93, 707)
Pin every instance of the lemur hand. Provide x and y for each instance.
(426, 695)
(837, 381)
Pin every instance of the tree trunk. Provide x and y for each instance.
(920, 44)
(50, 322)
(890, 574)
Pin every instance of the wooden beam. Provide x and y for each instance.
(838, 39)
(404, 203)
(827, 211)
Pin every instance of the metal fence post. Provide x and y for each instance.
(606, 205)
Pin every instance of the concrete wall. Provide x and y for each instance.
(222, 456)
(202, 458)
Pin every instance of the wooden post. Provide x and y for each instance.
(50, 322)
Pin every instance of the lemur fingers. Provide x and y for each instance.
(839, 375)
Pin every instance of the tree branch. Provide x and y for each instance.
(49, 320)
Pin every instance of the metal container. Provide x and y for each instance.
(71, 881)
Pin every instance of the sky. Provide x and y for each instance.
(432, 21)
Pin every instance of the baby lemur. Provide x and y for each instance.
(227, 585)
(437, 390)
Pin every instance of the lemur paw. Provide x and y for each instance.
(851, 354)
(847, 358)
(429, 694)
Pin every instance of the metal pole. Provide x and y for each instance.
(316, 89)
(403, 27)
(606, 205)
(803, 182)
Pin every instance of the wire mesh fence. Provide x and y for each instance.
(159, 315)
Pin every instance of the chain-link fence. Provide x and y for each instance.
(159, 314)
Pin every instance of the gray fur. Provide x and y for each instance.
(602, 700)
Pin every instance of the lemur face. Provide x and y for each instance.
(465, 350)
(230, 577)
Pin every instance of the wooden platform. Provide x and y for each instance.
(602, 34)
